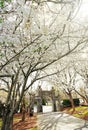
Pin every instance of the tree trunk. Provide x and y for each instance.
(39, 105)
(72, 102)
(7, 121)
(86, 100)
(54, 105)
(23, 114)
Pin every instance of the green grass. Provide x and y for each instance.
(0, 123)
(81, 108)
(80, 111)
(16, 119)
(35, 128)
(76, 115)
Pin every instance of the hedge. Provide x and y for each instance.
(76, 101)
(67, 103)
(1, 109)
(43, 101)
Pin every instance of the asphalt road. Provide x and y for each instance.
(60, 121)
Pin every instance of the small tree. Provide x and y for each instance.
(82, 72)
(65, 81)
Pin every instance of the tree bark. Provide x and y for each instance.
(23, 114)
(7, 121)
(54, 105)
(39, 106)
(23, 109)
(71, 100)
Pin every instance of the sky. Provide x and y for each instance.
(82, 14)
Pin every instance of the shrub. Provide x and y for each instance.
(43, 101)
(76, 101)
(67, 103)
(1, 109)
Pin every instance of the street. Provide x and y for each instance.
(60, 121)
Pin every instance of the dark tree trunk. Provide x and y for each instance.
(54, 105)
(7, 122)
(23, 114)
(72, 102)
(23, 109)
(39, 108)
(39, 105)
(7, 119)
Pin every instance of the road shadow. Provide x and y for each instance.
(57, 121)
(82, 127)
(49, 122)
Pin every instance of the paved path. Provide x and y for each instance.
(60, 121)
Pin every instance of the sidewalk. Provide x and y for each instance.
(60, 121)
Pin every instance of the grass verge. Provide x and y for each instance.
(35, 128)
(80, 111)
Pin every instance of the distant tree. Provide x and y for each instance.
(82, 71)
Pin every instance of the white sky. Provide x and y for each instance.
(82, 14)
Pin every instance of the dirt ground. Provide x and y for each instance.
(29, 122)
